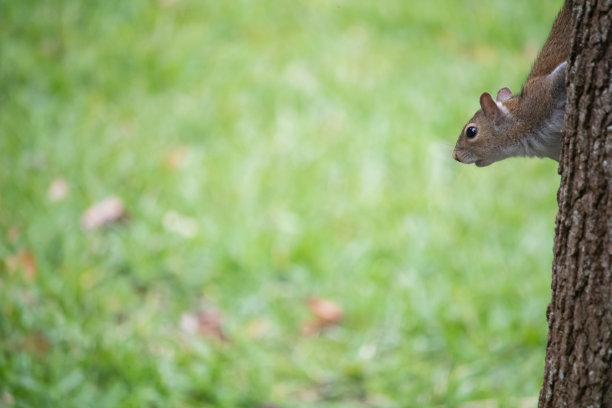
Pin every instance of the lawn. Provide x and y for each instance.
(269, 156)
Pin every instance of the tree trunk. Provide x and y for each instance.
(578, 369)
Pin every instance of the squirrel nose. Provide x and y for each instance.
(456, 156)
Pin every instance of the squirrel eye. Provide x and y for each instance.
(471, 132)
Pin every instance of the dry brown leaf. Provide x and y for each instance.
(24, 261)
(36, 343)
(58, 190)
(107, 211)
(325, 313)
(205, 322)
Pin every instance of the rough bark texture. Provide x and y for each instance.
(578, 369)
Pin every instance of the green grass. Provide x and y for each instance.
(314, 140)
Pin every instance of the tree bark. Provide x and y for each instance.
(578, 370)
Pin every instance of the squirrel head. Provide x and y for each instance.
(529, 124)
(484, 137)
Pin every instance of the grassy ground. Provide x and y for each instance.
(267, 152)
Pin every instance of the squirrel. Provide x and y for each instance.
(527, 124)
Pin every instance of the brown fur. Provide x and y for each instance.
(556, 49)
(528, 124)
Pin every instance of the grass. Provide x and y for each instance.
(268, 152)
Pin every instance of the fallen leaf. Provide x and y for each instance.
(105, 212)
(24, 261)
(325, 313)
(58, 190)
(206, 322)
(36, 343)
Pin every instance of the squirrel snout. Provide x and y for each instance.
(456, 156)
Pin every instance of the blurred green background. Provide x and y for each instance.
(267, 153)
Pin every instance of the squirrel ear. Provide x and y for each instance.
(503, 95)
(488, 105)
(558, 75)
